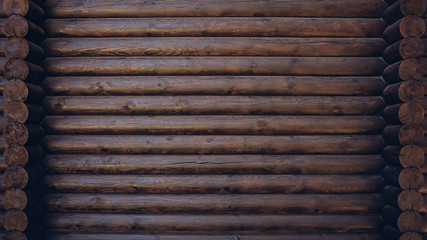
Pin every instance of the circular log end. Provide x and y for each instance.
(410, 199)
(15, 90)
(411, 236)
(16, 133)
(14, 198)
(411, 91)
(411, 112)
(411, 156)
(16, 155)
(15, 177)
(16, 7)
(411, 178)
(411, 47)
(411, 134)
(413, 7)
(15, 235)
(410, 221)
(15, 220)
(16, 47)
(16, 68)
(15, 26)
(16, 112)
(411, 69)
(412, 26)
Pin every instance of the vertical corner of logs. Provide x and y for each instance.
(23, 114)
(404, 154)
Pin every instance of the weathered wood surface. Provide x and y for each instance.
(219, 144)
(18, 26)
(217, 204)
(213, 8)
(21, 48)
(258, 105)
(215, 27)
(360, 66)
(65, 47)
(218, 124)
(213, 85)
(212, 164)
(221, 184)
(27, 8)
(212, 224)
(94, 236)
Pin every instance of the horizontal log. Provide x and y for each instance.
(221, 184)
(407, 178)
(16, 198)
(361, 66)
(18, 26)
(17, 220)
(212, 105)
(17, 90)
(349, 144)
(212, 164)
(213, 8)
(26, 8)
(408, 26)
(215, 27)
(23, 113)
(390, 215)
(358, 47)
(391, 53)
(408, 134)
(390, 195)
(20, 48)
(97, 236)
(408, 69)
(213, 85)
(392, 33)
(212, 224)
(209, 203)
(223, 124)
(18, 133)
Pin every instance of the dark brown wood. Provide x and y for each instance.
(390, 134)
(413, 7)
(20, 48)
(220, 184)
(410, 199)
(15, 235)
(17, 26)
(407, 156)
(213, 203)
(391, 114)
(207, 46)
(182, 144)
(411, 90)
(410, 221)
(411, 69)
(391, 54)
(213, 164)
(410, 134)
(392, 33)
(16, 198)
(391, 73)
(214, 66)
(26, 8)
(22, 155)
(390, 215)
(411, 178)
(126, 236)
(19, 69)
(18, 133)
(411, 236)
(411, 113)
(412, 26)
(219, 124)
(390, 195)
(411, 47)
(215, 27)
(23, 113)
(213, 85)
(212, 8)
(15, 176)
(15, 220)
(259, 105)
(17, 90)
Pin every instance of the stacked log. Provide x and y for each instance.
(23, 114)
(214, 119)
(404, 134)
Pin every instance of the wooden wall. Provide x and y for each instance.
(214, 119)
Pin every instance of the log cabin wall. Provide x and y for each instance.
(215, 119)
(23, 113)
(404, 210)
